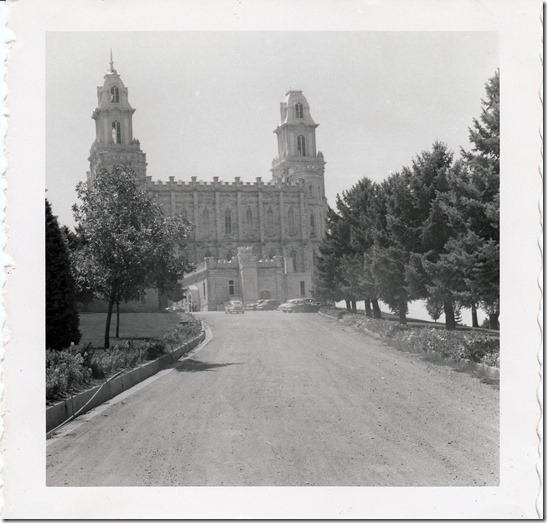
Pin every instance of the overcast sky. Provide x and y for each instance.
(207, 102)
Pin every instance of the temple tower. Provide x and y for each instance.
(298, 159)
(114, 142)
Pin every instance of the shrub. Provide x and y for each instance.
(155, 350)
(65, 371)
(432, 341)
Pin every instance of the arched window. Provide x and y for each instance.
(293, 256)
(249, 219)
(116, 132)
(206, 225)
(310, 189)
(114, 95)
(269, 222)
(292, 222)
(312, 224)
(301, 145)
(228, 221)
(299, 110)
(207, 254)
(272, 254)
(229, 255)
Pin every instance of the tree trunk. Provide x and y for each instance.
(353, 306)
(108, 319)
(493, 320)
(450, 319)
(368, 310)
(474, 317)
(117, 318)
(348, 305)
(376, 309)
(402, 313)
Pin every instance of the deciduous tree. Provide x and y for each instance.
(128, 245)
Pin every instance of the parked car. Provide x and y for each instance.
(234, 307)
(267, 305)
(300, 305)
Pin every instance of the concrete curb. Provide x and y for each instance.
(57, 414)
(492, 373)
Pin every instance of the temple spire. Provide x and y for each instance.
(111, 62)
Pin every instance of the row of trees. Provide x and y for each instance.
(123, 244)
(429, 232)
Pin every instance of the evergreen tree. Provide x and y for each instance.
(62, 321)
(432, 271)
(479, 201)
(393, 241)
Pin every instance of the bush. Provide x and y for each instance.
(72, 368)
(65, 372)
(435, 342)
(155, 350)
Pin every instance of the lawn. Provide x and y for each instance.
(133, 325)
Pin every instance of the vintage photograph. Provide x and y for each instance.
(291, 262)
(331, 221)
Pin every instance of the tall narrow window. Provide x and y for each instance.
(206, 224)
(269, 222)
(204, 290)
(301, 145)
(228, 221)
(207, 254)
(272, 254)
(114, 95)
(229, 255)
(302, 288)
(310, 190)
(299, 110)
(231, 288)
(249, 220)
(312, 224)
(293, 256)
(116, 132)
(292, 222)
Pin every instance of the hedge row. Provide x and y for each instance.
(73, 369)
(457, 345)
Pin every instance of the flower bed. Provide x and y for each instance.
(431, 341)
(80, 367)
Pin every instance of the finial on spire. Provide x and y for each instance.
(111, 62)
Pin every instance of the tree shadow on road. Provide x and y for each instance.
(191, 365)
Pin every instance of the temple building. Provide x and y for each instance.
(250, 240)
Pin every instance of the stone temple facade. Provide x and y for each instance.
(250, 240)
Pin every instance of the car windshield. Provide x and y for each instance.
(235, 302)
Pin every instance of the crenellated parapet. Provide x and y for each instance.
(224, 186)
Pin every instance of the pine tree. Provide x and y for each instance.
(480, 200)
(62, 320)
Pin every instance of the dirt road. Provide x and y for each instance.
(279, 399)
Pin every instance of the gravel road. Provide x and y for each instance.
(288, 399)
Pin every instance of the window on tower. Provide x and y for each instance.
(293, 256)
(269, 222)
(114, 95)
(312, 225)
(299, 110)
(249, 220)
(205, 222)
(292, 222)
(116, 132)
(301, 145)
(228, 221)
